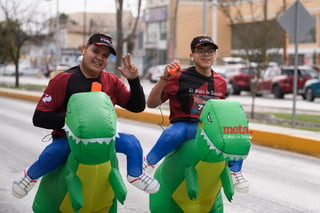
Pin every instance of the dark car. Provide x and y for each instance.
(279, 81)
(311, 89)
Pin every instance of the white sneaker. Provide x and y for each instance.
(145, 183)
(240, 183)
(147, 168)
(23, 185)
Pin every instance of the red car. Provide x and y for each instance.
(239, 77)
(279, 81)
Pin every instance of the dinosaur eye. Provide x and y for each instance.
(209, 118)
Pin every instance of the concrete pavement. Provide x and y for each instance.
(306, 142)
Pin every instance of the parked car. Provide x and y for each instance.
(229, 86)
(155, 72)
(311, 89)
(279, 81)
(239, 77)
(311, 72)
(10, 70)
(60, 68)
(220, 70)
(28, 71)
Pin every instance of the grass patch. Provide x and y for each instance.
(311, 121)
(315, 119)
(315, 129)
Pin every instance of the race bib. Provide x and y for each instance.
(198, 103)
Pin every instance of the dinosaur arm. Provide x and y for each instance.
(115, 179)
(227, 183)
(75, 191)
(191, 182)
(118, 186)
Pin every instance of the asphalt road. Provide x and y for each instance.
(280, 181)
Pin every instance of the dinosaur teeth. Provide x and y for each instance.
(210, 144)
(87, 141)
(218, 151)
(233, 157)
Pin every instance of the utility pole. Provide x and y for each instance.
(284, 56)
(84, 22)
(57, 37)
(214, 21)
(204, 26)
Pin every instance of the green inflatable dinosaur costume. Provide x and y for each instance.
(90, 180)
(191, 177)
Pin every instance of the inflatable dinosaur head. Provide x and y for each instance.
(223, 132)
(90, 126)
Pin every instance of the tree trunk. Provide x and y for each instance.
(119, 5)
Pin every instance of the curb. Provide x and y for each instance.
(305, 145)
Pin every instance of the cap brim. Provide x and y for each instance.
(113, 51)
(206, 43)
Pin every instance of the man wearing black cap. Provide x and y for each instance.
(184, 90)
(50, 113)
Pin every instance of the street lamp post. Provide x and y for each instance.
(84, 22)
(214, 21)
(204, 21)
(57, 37)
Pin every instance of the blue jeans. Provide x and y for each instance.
(56, 153)
(174, 136)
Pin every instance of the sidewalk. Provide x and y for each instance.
(307, 142)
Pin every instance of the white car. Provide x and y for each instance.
(155, 72)
(8, 69)
(28, 71)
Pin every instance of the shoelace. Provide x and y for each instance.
(146, 179)
(24, 183)
(239, 177)
(146, 165)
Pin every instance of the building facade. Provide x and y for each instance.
(169, 30)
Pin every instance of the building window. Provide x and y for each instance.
(163, 30)
(152, 30)
(140, 40)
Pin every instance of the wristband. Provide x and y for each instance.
(163, 78)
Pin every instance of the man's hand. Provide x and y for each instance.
(175, 64)
(130, 71)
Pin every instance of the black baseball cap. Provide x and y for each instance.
(200, 40)
(102, 39)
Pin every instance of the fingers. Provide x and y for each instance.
(130, 71)
(127, 62)
(173, 64)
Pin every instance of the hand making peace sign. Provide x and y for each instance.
(130, 71)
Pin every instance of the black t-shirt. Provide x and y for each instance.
(188, 89)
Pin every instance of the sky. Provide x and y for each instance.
(71, 6)
(79, 5)
(49, 7)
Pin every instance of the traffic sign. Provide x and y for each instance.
(304, 21)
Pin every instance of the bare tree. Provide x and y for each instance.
(253, 38)
(120, 35)
(18, 27)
